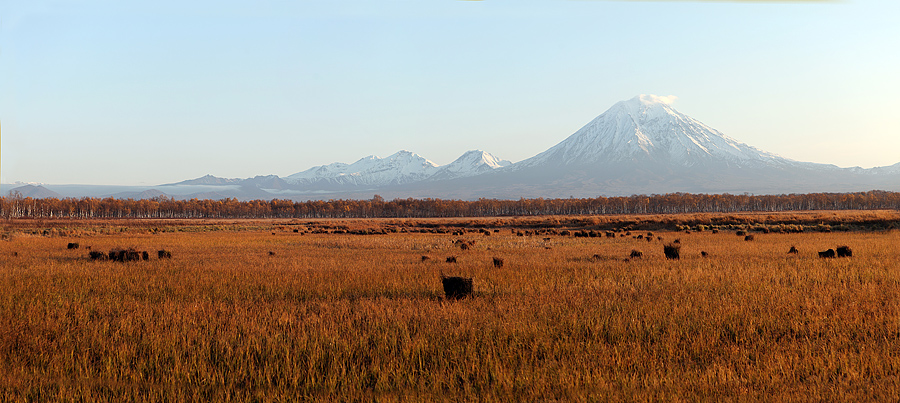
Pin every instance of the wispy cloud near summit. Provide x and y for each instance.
(667, 99)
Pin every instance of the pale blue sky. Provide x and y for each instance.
(113, 92)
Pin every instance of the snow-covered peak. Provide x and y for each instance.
(398, 168)
(478, 157)
(470, 164)
(647, 128)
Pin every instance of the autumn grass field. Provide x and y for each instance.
(308, 310)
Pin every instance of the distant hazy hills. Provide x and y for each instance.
(638, 146)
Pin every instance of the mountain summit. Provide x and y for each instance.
(470, 164)
(647, 129)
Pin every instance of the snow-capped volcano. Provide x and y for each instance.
(647, 128)
(644, 146)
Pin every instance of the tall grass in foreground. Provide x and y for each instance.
(344, 318)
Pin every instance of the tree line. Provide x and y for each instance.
(16, 206)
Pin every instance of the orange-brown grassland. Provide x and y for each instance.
(349, 310)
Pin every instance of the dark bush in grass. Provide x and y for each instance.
(125, 255)
(844, 251)
(672, 251)
(457, 287)
(117, 255)
(98, 256)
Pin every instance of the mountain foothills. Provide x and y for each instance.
(638, 146)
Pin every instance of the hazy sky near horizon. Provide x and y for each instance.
(145, 93)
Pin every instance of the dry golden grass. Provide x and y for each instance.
(333, 317)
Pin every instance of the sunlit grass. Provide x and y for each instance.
(347, 317)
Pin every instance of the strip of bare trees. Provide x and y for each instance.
(164, 207)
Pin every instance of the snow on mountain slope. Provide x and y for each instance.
(886, 170)
(647, 128)
(471, 163)
(399, 168)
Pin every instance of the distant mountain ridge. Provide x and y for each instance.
(207, 180)
(401, 168)
(35, 192)
(638, 146)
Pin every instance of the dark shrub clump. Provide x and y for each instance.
(844, 251)
(457, 287)
(97, 255)
(672, 251)
(126, 255)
